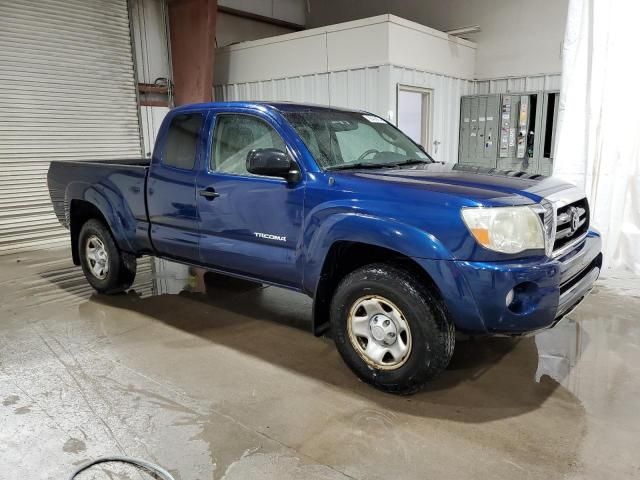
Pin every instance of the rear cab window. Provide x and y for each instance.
(181, 145)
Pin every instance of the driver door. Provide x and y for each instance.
(249, 224)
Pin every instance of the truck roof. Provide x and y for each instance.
(280, 106)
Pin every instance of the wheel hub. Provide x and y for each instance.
(379, 332)
(97, 257)
(383, 330)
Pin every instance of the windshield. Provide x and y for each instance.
(340, 140)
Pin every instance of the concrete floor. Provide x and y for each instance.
(216, 378)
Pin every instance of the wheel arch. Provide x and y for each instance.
(343, 257)
(81, 211)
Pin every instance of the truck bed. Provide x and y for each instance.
(116, 187)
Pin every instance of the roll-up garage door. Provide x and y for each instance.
(67, 92)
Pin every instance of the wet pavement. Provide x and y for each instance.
(213, 377)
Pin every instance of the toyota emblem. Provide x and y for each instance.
(574, 219)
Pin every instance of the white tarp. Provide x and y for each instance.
(599, 120)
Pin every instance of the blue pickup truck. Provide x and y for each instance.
(398, 251)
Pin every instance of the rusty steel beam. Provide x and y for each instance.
(192, 25)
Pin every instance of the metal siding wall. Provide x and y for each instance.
(553, 82)
(149, 31)
(67, 94)
(360, 89)
(538, 83)
(304, 88)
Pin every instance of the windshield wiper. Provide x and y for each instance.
(349, 166)
(413, 161)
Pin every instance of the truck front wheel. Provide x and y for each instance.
(390, 328)
(106, 268)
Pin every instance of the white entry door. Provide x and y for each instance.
(414, 114)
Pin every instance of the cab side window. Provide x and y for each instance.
(235, 136)
(182, 141)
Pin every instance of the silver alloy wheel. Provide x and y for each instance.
(379, 332)
(97, 256)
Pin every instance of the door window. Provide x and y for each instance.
(235, 136)
(182, 140)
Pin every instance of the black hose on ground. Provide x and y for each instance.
(155, 469)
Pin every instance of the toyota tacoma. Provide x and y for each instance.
(399, 252)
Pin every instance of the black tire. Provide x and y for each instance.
(432, 333)
(121, 265)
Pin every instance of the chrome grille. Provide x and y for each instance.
(572, 222)
(547, 215)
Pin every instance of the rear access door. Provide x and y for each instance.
(171, 194)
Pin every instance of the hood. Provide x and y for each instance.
(479, 185)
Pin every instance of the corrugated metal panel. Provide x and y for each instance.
(537, 83)
(552, 82)
(304, 88)
(360, 88)
(68, 93)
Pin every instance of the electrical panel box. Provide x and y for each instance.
(503, 131)
(479, 130)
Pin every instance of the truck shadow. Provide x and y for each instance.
(488, 378)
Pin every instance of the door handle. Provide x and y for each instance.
(209, 193)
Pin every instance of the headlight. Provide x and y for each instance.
(505, 229)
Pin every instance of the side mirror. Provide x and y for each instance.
(272, 163)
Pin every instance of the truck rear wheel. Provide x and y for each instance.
(390, 328)
(106, 268)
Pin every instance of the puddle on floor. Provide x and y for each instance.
(563, 393)
(57, 283)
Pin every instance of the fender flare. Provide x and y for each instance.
(406, 240)
(386, 233)
(112, 208)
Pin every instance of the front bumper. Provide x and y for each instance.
(544, 289)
